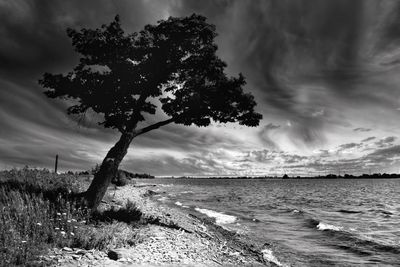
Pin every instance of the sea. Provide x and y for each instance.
(300, 222)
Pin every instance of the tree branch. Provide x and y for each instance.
(153, 126)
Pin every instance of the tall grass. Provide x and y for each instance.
(38, 211)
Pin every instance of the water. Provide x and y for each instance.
(315, 222)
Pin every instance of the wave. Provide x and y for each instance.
(296, 211)
(163, 199)
(270, 257)
(349, 211)
(220, 218)
(180, 204)
(324, 226)
(352, 241)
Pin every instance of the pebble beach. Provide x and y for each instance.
(177, 239)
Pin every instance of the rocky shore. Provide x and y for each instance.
(173, 238)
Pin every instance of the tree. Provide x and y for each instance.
(123, 76)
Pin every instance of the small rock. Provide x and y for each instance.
(67, 249)
(80, 252)
(119, 253)
(89, 256)
(98, 257)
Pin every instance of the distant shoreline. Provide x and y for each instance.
(348, 177)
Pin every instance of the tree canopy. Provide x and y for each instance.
(123, 75)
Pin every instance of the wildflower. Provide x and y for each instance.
(68, 221)
(83, 221)
(72, 234)
(62, 232)
(64, 214)
(39, 224)
(76, 227)
(56, 228)
(23, 241)
(58, 214)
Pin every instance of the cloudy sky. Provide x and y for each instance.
(325, 75)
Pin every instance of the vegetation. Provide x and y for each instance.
(123, 76)
(39, 211)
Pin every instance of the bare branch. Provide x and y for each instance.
(153, 126)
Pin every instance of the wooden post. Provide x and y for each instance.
(56, 164)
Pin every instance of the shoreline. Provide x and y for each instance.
(175, 237)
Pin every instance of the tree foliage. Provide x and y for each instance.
(173, 64)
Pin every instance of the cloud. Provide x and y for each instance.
(361, 129)
(313, 67)
(387, 141)
(349, 146)
(265, 134)
(368, 139)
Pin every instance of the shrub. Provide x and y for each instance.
(128, 214)
(29, 224)
(38, 211)
(120, 179)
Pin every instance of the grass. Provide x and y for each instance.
(38, 212)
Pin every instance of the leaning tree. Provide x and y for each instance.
(124, 76)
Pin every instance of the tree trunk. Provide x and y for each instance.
(108, 170)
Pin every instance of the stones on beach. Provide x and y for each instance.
(161, 241)
(73, 257)
(149, 193)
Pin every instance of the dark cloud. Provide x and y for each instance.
(349, 146)
(387, 141)
(361, 129)
(313, 67)
(368, 139)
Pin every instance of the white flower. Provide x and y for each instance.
(72, 234)
(39, 224)
(83, 221)
(68, 221)
(62, 232)
(59, 214)
(64, 214)
(56, 228)
(23, 241)
(73, 220)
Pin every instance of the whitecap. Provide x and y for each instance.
(269, 256)
(162, 199)
(324, 226)
(181, 205)
(220, 218)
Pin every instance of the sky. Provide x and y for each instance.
(325, 75)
